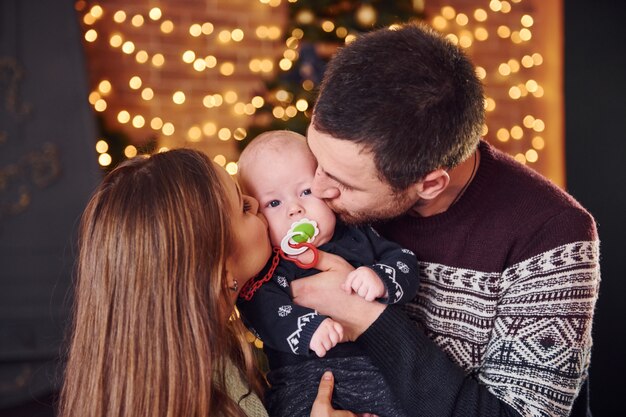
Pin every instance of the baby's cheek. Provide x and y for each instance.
(275, 236)
(271, 225)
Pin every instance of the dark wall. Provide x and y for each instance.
(595, 97)
(48, 169)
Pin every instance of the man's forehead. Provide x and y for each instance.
(344, 161)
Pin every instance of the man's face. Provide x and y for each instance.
(348, 180)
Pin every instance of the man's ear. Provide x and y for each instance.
(433, 184)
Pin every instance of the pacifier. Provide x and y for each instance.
(298, 239)
(302, 231)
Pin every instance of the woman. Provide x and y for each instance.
(164, 245)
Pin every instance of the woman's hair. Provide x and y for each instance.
(409, 96)
(152, 333)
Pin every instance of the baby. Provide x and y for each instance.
(277, 169)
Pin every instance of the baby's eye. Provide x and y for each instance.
(306, 192)
(247, 206)
(273, 203)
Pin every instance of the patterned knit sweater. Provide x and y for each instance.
(509, 278)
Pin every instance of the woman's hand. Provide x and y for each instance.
(322, 406)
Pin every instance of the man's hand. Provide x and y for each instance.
(323, 292)
(331, 262)
(366, 283)
(326, 337)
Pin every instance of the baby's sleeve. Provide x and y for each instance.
(396, 266)
(271, 314)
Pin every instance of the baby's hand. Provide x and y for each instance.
(327, 335)
(365, 283)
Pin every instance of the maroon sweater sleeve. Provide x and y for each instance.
(424, 380)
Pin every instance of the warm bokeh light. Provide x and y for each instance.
(167, 26)
(147, 94)
(178, 97)
(102, 146)
(139, 121)
(209, 128)
(168, 129)
(220, 160)
(155, 13)
(100, 105)
(224, 134)
(130, 151)
(123, 117)
(194, 134)
(105, 159)
(220, 58)
(91, 35)
(156, 123)
(231, 168)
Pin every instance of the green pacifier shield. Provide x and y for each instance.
(307, 231)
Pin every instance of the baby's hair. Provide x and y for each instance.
(274, 142)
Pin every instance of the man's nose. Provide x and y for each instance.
(323, 187)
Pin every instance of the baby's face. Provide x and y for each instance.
(281, 181)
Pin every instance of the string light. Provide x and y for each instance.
(155, 13)
(209, 128)
(465, 28)
(168, 129)
(123, 117)
(240, 133)
(147, 94)
(514, 74)
(194, 134)
(105, 159)
(156, 123)
(130, 151)
(224, 134)
(178, 97)
(119, 16)
(102, 146)
(220, 160)
(167, 26)
(137, 20)
(231, 168)
(91, 35)
(100, 105)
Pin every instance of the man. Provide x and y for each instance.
(509, 267)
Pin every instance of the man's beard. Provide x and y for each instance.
(397, 205)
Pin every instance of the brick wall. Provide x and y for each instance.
(215, 97)
(529, 127)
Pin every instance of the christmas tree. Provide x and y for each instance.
(315, 30)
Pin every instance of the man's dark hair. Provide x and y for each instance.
(408, 95)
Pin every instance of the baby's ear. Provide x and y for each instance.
(432, 184)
